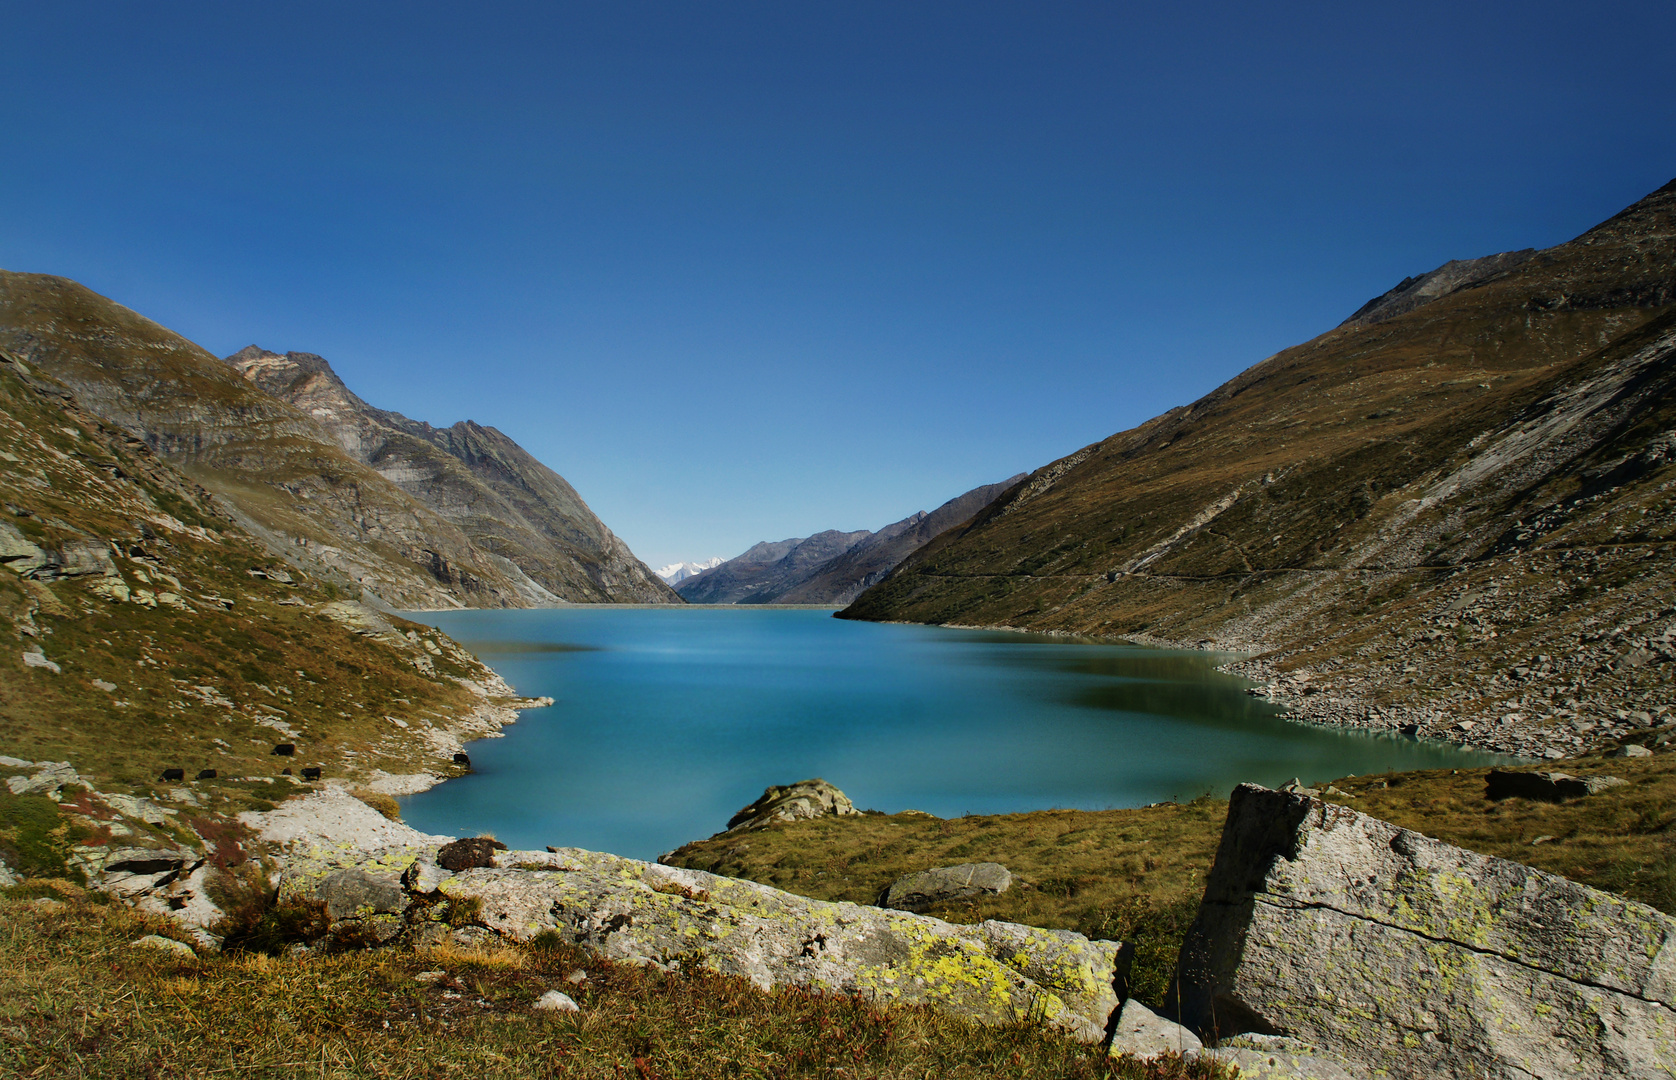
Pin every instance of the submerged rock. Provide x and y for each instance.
(793, 802)
(1388, 948)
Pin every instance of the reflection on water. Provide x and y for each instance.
(669, 720)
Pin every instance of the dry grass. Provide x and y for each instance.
(77, 1001)
(1137, 875)
(1131, 875)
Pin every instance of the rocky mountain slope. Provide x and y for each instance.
(524, 516)
(149, 631)
(275, 469)
(829, 567)
(1453, 516)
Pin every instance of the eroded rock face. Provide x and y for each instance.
(1383, 946)
(792, 802)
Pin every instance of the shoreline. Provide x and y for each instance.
(1302, 694)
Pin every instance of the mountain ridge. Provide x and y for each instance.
(1357, 509)
(269, 465)
(509, 504)
(830, 567)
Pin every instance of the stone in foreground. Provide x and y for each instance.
(1416, 958)
(554, 1001)
(792, 802)
(1144, 1033)
(643, 913)
(945, 884)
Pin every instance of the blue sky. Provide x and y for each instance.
(748, 271)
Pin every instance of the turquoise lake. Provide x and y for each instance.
(668, 720)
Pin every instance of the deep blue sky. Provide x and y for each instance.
(748, 271)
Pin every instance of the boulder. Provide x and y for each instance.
(926, 889)
(1631, 750)
(468, 854)
(50, 778)
(1144, 1033)
(644, 913)
(793, 802)
(1545, 786)
(356, 893)
(1275, 1057)
(1393, 951)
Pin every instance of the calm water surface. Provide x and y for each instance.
(669, 720)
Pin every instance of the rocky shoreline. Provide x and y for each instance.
(1329, 695)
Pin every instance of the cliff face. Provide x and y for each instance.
(829, 567)
(276, 469)
(1455, 505)
(529, 521)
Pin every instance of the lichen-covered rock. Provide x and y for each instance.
(1387, 948)
(926, 889)
(792, 802)
(1275, 1057)
(644, 913)
(639, 912)
(356, 892)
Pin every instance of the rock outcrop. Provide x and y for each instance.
(1546, 786)
(1382, 946)
(792, 802)
(336, 849)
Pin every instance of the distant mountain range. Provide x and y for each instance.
(830, 567)
(675, 573)
(365, 499)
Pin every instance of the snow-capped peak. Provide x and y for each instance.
(681, 571)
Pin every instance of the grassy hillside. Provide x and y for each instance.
(163, 635)
(1459, 513)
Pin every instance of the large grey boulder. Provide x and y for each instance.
(356, 893)
(792, 802)
(644, 913)
(1388, 948)
(926, 889)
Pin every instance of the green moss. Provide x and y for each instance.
(35, 837)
